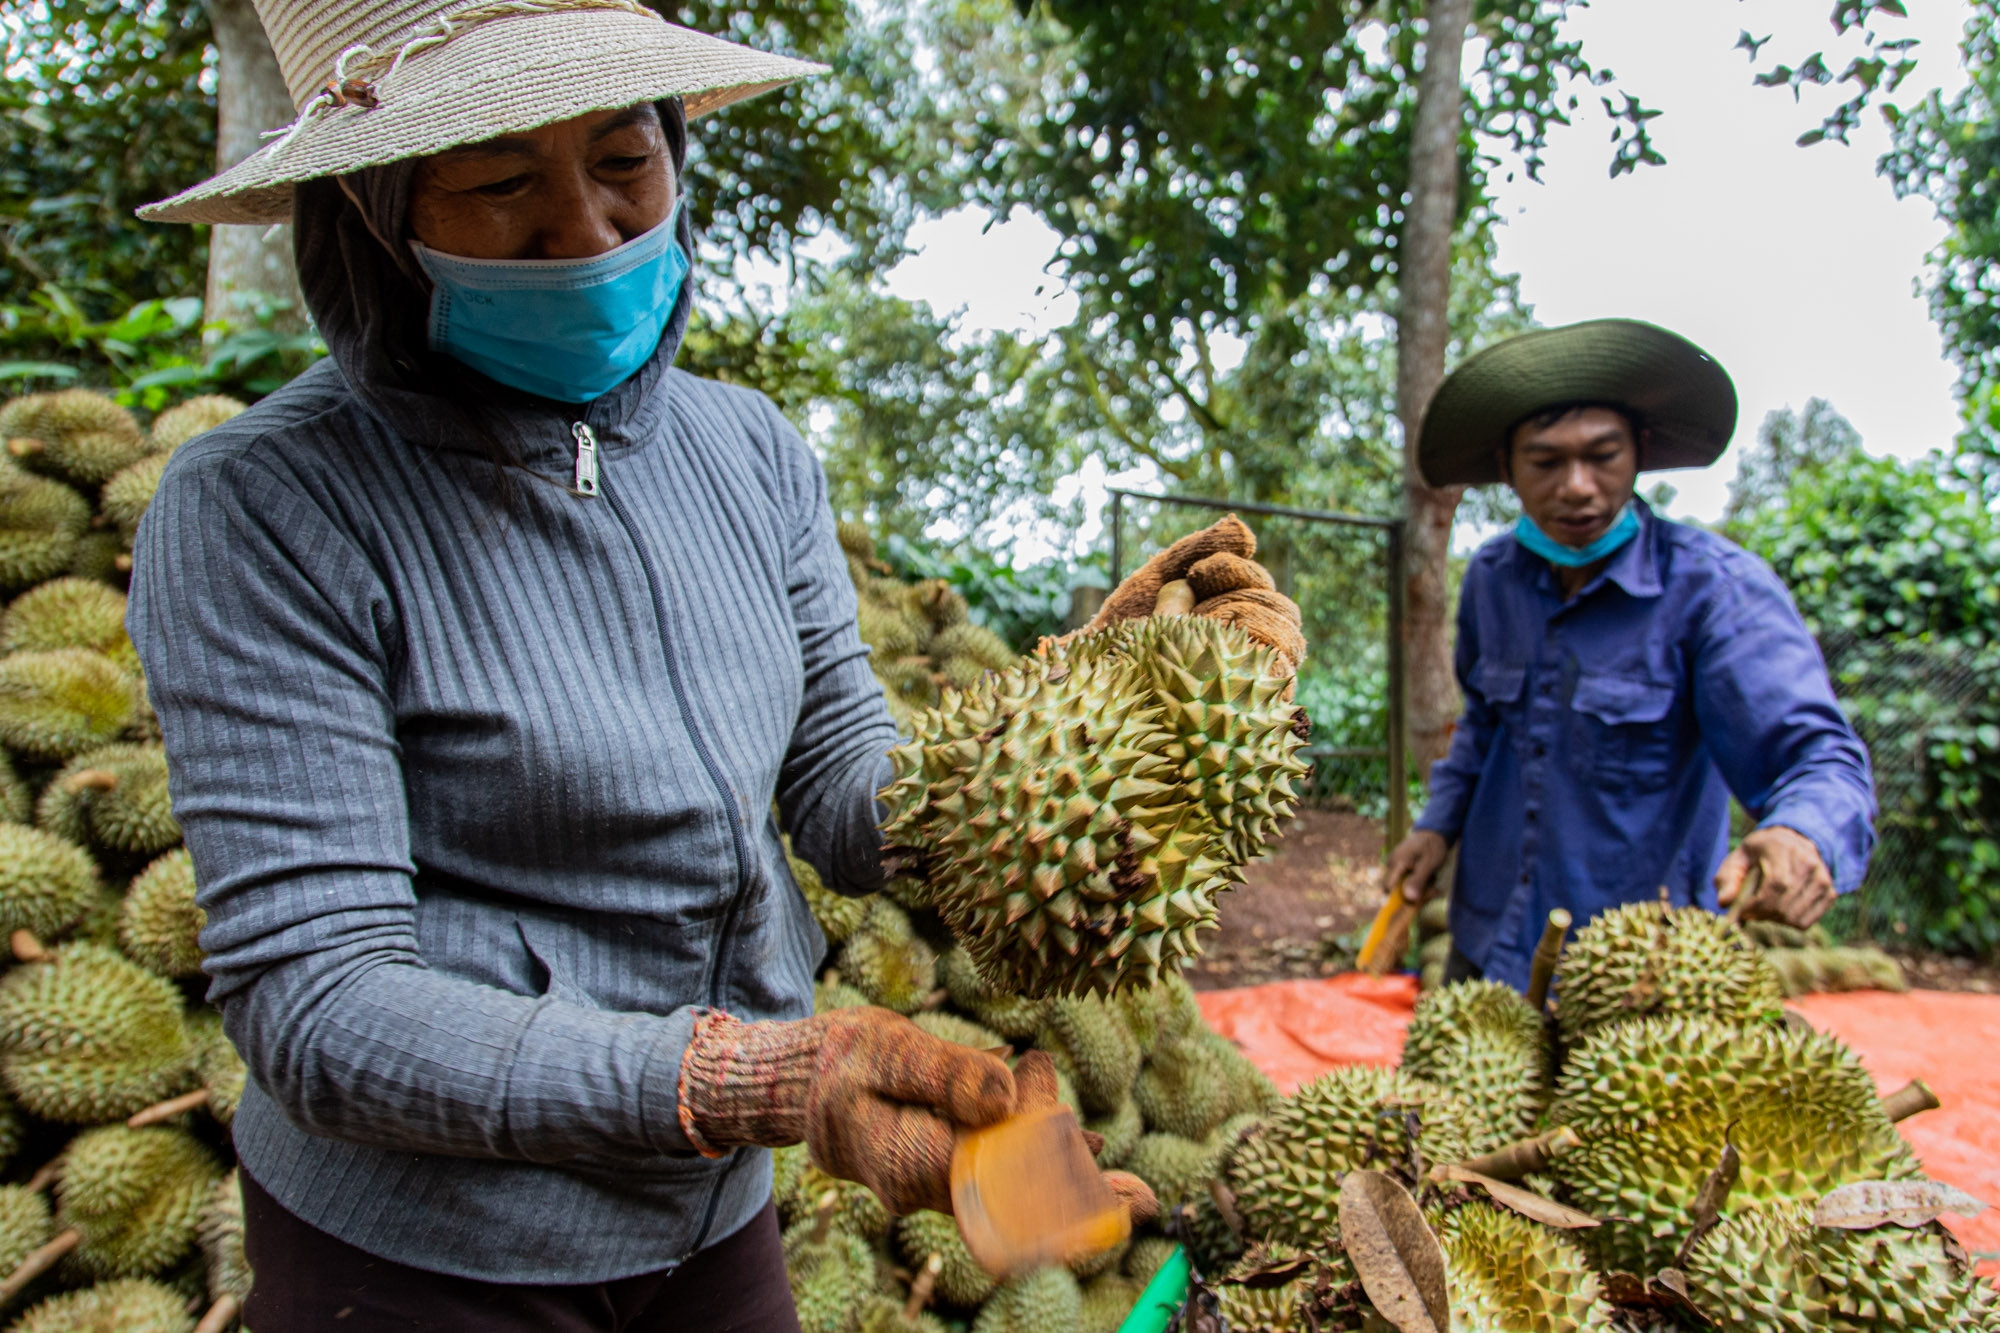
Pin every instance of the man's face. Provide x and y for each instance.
(1574, 474)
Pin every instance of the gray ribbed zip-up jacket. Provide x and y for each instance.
(478, 789)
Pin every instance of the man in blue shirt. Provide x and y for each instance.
(1623, 674)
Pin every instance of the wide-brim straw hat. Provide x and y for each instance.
(378, 81)
(1678, 394)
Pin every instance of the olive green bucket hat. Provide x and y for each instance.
(1675, 391)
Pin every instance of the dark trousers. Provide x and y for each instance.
(1457, 967)
(308, 1282)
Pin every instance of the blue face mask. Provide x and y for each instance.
(567, 329)
(1623, 529)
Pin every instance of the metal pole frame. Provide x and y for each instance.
(1395, 561)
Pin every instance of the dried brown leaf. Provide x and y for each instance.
(1399, 1259)
(1904, 1203)
(1525, 1202)
(1714, 1196)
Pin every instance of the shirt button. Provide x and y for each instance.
(1531, 816)
(1541, 750)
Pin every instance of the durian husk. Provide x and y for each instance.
(1645, 960)
(832, 1274)
(47, 883)
(1507, 1274)
(91, 1036)
(41, 522)
(961, 1282)
(1655, 1101)
(113, 799)
(160, 923)
(55, 705)
(131, 1305)
(1039, 1302)
(1482, 1041)
(137, 1197)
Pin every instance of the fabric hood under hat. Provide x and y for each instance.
(380, 81)
(1678, 393)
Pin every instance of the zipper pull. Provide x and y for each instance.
(586, 458)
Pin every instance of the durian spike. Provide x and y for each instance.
(27, 948)
(920, 1290)
(1547, 954)
(220, 1315)
(1910, 1099)
(168, 1109)
(1525, 1156)
(1175, 599)
(38, 1263)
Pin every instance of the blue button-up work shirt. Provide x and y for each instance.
(1602, 736)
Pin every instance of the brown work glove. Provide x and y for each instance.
(1227, 586)
(1035, 1086)
(873, 1097)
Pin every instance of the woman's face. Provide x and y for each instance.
(566, 191)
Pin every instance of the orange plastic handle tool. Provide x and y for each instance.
(1027, 1193)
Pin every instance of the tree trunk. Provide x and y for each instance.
(1423, 330)
(248, 267)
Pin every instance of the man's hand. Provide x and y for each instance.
(1414, 863)
(1797, 887)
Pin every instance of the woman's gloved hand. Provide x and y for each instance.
(1226, 584)
(1035, 1086)
(872, 1096)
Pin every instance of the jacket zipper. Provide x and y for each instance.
(587, 450)
(586, 459)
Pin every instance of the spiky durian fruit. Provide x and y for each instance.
(1177, 1169)
(1286, 1175)
(1821, 968)
(127, 495)
(183, 421)
(99, 557)
(830, 993)
(160, 923)
(129, 1306)
(1120, 1129)
(950, 1027)
(1654, 1102)
(77, 435)
(1076, 816)
(856, 1210)
(1646, 960)
(960, 1280)
(832, 1273)
(1249, 1306)
(886, 1314)
(1510, 1275)
(56, 705)
(1107, 1300)
(68, 612)
(1481, 1040)
(136, 1196)
(25, 1224)
(220, 1232)
(216, 1064)
(1184, 1088)
(1770, 1269)
(46, 882)
(40, 522)
(113, 799)
(90, 1036)
(837, 914)
(17, 801)
(1047, 1300)
(884, 959)
(1014, 1017)
(1089, 1041)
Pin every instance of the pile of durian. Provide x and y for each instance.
(1807, 962)
(116, 1081)
(1666, 1151)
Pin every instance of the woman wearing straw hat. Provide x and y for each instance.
(1624, 676)
(482, 651)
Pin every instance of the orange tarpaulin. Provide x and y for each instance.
(1295, 1030)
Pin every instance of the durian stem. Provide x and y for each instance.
(23, 445)
(122, 563)
(934, 1001)
(167, 1110)
(1525, 1157)
(920, 1290)
(27, 948)
(1547, 954)
(1908, 1100)
(45, 1177)
(823, 1219)
(220, 1315)
(38, 1263)
(91, 779)
(1225, 1206)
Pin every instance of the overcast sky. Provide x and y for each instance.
(1793, 266)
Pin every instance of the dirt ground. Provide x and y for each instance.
(1303, 909)
(1295, 914)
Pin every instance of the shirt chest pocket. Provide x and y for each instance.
(1624, 731)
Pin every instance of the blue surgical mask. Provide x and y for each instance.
(1623, 529)
(567, 329)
